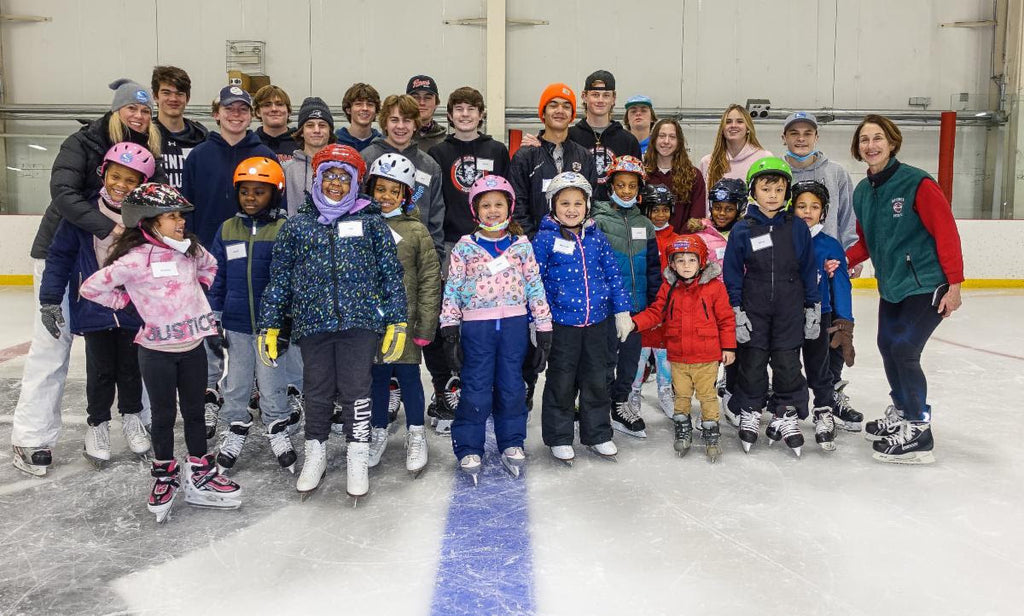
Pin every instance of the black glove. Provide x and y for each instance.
(284, 339)
(452, 347)
(53, 318)
(540, 356)
(218, 342)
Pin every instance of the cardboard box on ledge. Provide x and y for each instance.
(249, 83)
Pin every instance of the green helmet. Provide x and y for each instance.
(769, 166)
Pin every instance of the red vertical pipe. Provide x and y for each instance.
(515, 138)
(947, 143)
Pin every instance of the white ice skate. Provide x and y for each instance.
(358, 470)
(135, 435)
(667, 400)
(378, 444)
(97, 444)
(606, 451)
(564, 454)
(32, 460)
(513, 459)
(206, 487)
(314, 468)
(415, 450)
(471, 464)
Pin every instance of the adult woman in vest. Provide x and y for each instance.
(906, 227)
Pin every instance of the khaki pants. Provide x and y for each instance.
(699, 378)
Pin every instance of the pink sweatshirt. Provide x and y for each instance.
(738, 166)
(165, 287)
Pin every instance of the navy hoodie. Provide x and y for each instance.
(609, 144)
(462, 163)
(208, 181)
(177, 146)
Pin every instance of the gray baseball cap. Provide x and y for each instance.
(800, 116)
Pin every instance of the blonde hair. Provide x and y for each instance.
(719, 164)
(116, 132)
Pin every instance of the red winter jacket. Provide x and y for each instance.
(698, 321)
(654, 338)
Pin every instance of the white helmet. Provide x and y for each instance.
(565, 180)
(394, 167)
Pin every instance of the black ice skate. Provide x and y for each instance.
(232, 442)
(789, 430)
(911, 444)
(888, 425)
(626, 421)
(846, 417)
(711, 435)
(394, 404)
(824, 428)
(281, 444)
(33, 460)
(750, 424)
(212, 405)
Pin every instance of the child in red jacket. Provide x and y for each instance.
(699, 330)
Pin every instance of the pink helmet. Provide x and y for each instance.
(133, 156)
(487, 184)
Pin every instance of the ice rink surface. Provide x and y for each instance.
(763, 533)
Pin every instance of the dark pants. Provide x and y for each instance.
(181, 378)
(492, 381)
(903, 330)
(578, 359)
(621, 363)
(111, 362)
(788, 382)
(835, 364)
(408, 376)
(436, 361)
(816, 364)
(337, 366)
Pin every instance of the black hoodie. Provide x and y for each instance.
(177, 146)
(612, 142)
(462, 163)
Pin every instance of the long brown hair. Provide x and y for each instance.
(134, 237)
(719, 164)
(683, 172)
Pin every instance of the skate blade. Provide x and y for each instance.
(682, 452)
(97, 463)
(746, 446)
(918, 457)
(417, 472)
(848, 426)
(31, 469)
(713, 455)
(796, 450)
(304, 496)
(568, 462)
(163, 514)
(618, 427)
(513, 469)
(474, 475)
(221, 503)
(291, 469)
(443, 427)
(872, 438)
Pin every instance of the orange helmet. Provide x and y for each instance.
(260, 169)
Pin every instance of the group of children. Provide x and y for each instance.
(356, 280)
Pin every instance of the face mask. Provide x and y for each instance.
(622, 203)
(664, 226)
(501, 226)
(181, 246)
(392, 213)
(800, 159)
(114, 205)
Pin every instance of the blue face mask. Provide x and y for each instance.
(395, 212)
(800, 159)
(622, 203)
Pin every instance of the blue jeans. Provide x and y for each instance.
(903, 330)
(243, 366)
(664, 373)
(408, 376)
(492, 381)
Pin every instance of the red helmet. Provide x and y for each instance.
(689, 243)
(341, 154)
(628, 164)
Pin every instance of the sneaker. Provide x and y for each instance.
(205, 486)
(378, 443)
(394, 400)
(212, 404)
(165, 488)
(231, 443)
(750, 424)
(626, 421)
(667, 400)
(824, 428)
(684, 433)
(97, 443)
(911, 444)
(281, 443)
(888, 425)
(135, 433)
(415, 449)
(845, 416)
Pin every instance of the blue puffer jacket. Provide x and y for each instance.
(330, 278)
(70, 260)
(243, 248)
(581, 276)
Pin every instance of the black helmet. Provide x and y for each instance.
(150, 200)
(656, 194)
(818, 189)
(729, 190)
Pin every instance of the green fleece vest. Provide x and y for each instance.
(904, 255)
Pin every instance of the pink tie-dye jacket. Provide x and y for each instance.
(165, 287)
(476, 293)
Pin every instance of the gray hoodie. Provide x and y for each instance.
(427, 196)
(841, 222)
(298, 180)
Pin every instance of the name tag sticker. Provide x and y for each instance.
(544, 185)
(720, 253)
(422, 177)
(564, 246)
(165, 269)
(394, 234)
(236, 251)
(485, 164)
(498, 265)
(350, 228)
(761, 242)
(638, 233)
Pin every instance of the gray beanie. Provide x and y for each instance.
(314, 108)
(128, 92)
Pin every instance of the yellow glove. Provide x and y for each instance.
(266, 346)
(394, 342)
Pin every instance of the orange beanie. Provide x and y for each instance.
(556, 90)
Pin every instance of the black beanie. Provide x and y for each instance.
(314, 108)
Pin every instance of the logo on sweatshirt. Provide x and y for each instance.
(464, 172)
(603, 158)
(897, 207)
